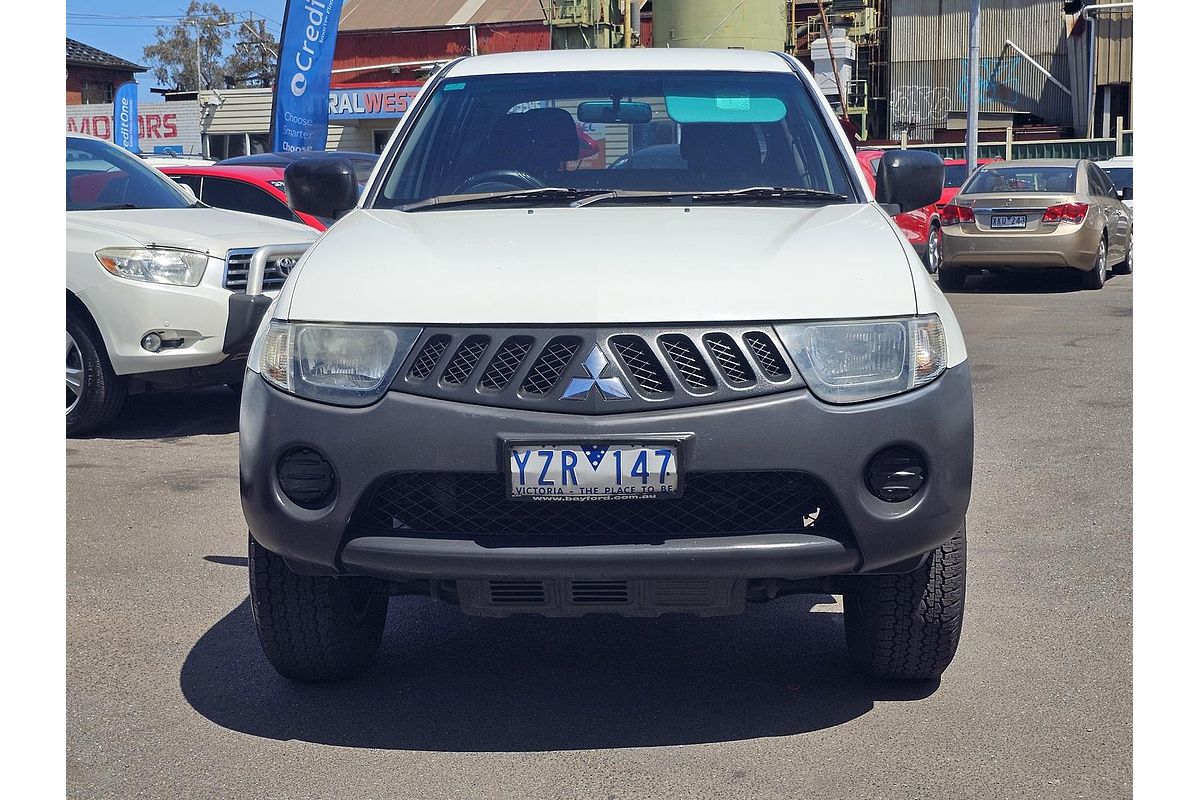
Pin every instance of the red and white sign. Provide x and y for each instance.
(160, 125)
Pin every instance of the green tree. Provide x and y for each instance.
(255, 50)
(173, 56)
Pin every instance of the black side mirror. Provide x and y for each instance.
(321, 186)
(909, 179)
(1125, 193)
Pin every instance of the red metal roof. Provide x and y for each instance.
(366, 15)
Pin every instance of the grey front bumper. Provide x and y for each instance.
(790, 431)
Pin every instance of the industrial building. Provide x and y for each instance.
(898, 68)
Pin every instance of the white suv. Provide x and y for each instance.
(526, 374)
(156, 282)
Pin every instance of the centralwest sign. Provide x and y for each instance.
(370, 102)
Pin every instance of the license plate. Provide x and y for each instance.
(592, 471)
(1008, 220)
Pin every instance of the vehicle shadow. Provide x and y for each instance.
(448, 682)
(171, 414)
(1022, 282)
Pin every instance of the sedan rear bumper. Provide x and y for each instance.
(1070, 246)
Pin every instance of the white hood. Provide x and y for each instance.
(212, 229)
(600, 265)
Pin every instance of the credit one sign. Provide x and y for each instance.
(371, 102)
(125, 117)
(299, 114)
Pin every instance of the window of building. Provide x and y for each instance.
(96, 92)
(380, 139)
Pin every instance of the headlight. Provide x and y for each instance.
(155, 264)
(347, 365)
(852, 361)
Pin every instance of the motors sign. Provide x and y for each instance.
(299, 109)
(160, 126)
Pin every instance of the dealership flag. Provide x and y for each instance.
(125, 117)
(300, 103)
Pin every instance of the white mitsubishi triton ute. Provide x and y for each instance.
(610, 332)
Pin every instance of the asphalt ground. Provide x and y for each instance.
(168, 694)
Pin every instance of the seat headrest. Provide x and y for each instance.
(538, 139)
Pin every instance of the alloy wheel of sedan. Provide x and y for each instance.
(933, 255)
(74, 373)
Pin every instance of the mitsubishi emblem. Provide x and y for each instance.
(595, 364)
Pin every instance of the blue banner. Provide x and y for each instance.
(300, 104)
(125, 117)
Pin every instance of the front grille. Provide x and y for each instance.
(596, 370)
(237, 270)
(466, 358)
(550, 365)
(729, 358)
(767, 355)
(505, 363)
(428, 357)
(641, 364)
(712, 503)
(683, 355)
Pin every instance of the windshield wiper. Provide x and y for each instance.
(781, 195)
(115, 207)
(551, 193)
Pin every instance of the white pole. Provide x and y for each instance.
(973, 89)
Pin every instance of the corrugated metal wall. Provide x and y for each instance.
(928, 60)
(1114, 47)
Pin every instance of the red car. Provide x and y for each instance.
(956, 176)
(918, 225)
(255, 189)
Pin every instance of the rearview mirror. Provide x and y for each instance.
(625, 111)
(909, 179)
(321, 186)
(1125, 193)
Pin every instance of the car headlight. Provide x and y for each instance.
(155, 264)
(856, 360)
(347, 365)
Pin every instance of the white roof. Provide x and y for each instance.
(1119, 161)
(638, 58)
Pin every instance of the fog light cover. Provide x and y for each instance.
(306, 478)
(895, 474)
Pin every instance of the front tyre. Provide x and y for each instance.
(906, 627)
(94, 392)
(313, 627)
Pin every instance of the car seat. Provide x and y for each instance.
(536, 141)
(724, 155)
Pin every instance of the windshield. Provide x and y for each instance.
(1060, 180)
(648, 132)
(101, 176)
